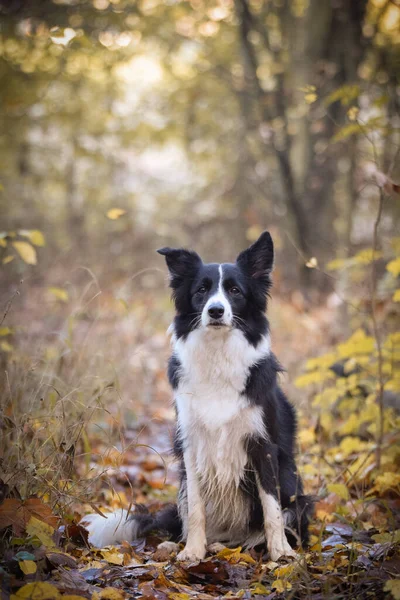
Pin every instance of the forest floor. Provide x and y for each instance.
(88, 423)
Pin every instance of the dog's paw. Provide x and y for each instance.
(165, 551)
(279, 548)
(192, 554)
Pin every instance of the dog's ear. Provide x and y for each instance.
(181, 263)
(258, 260)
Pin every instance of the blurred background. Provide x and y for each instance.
(129, 125)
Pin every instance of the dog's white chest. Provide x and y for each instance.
(214, 415)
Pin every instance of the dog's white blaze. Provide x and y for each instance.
(218, 297)
(214, 418)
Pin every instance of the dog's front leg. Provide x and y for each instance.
(196, 542)
(265, 462)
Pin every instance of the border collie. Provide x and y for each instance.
(235, 433)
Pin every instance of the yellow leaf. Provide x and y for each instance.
(3, 243)
(235, 555)
(115, 213)
(366, 256)
(7, 259)
(336, 264)
(109, 593)
(35, 236)
(6, 347)
(315, 377)
(396, 296)
(393, 586)
(280, 586)
(28, 567)
(310, 97)
(259, 589)
(386, 482)
(5, 331)
(394, 267)
(285, 570)
(39, 590)
(339, 489)
(26, 252)
(42, 531)
(352, 113)
(113, 556)
(358, 343)
(59, 293)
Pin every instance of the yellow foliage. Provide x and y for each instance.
(339, 489)
(115, 213)
(39, 590)
(366, 256)
(314, 377)
(321, 362)
(59, 293)
(26, 252)
(358, 343)
(387, 482)
(394, 267)
(35, 236)
(396, 296)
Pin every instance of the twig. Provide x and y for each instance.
(377, 334)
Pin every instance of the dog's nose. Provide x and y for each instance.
(216, 311)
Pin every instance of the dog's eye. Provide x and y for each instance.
(202, 290)
(234, 291)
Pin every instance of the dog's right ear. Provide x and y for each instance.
(181, 263)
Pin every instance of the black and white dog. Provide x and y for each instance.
(236, 430)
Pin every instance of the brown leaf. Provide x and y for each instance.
(60, 559)
(17, 513)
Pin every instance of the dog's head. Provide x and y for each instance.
(221, 297)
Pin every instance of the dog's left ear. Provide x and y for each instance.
(258, 260)
(181, 262)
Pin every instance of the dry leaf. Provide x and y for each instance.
(28, 567)
(39, 590)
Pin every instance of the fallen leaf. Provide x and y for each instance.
(109, 593)
(28, 567)
(393, 586)
(42, 531)
(112, 556)
(38, 590)
(17, 513)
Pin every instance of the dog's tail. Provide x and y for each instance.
(122, 526)
(297, 517)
